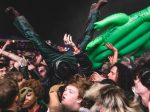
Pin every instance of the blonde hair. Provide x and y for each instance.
(113, 99)
(93, 91)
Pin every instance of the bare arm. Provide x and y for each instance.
(114, 58)
(12, 56)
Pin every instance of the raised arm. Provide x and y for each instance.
(85, 65)
(114, 58)
(48, 53)
(68, 41)
(12, 56)
(21, 64)
(92, 18)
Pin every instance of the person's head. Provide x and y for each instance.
(3, 70)
(9, 92)
(16, 75)
(112, 99)
(11, 63)
(43, 70)
(62, 49)
(4, 60)
(140, 61)
(113, 75)
(142, 81)
(90, 96)
(64, 70)
(126, 61)
(30, 92)
(106, 66)
(74, 92)
(29, 56)
(122, 75)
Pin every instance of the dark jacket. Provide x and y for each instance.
(52, 58)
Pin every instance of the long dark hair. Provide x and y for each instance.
(125, 79)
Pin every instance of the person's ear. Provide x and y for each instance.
(79, 100)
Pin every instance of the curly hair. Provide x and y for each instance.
(125, 77)
(36, 86)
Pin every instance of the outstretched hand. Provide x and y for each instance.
(111, 47)
(68, 40)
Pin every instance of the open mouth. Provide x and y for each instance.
(63, 97)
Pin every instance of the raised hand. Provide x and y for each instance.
(96, 77)
(68, 40)
(111, 47)
(114, 58)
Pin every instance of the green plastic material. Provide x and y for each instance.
(128, 33)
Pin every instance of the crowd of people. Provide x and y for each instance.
(53, 79)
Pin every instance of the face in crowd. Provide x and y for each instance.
(139, 87)
(43, 71)
(30, 91)
(70, 97)
(2, 72)
(30, 99)
(113, 75)
(74, 92)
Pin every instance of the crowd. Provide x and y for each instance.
(53, 79)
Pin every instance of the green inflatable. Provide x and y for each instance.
(128, 33)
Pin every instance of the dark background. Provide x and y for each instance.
(52, 18)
